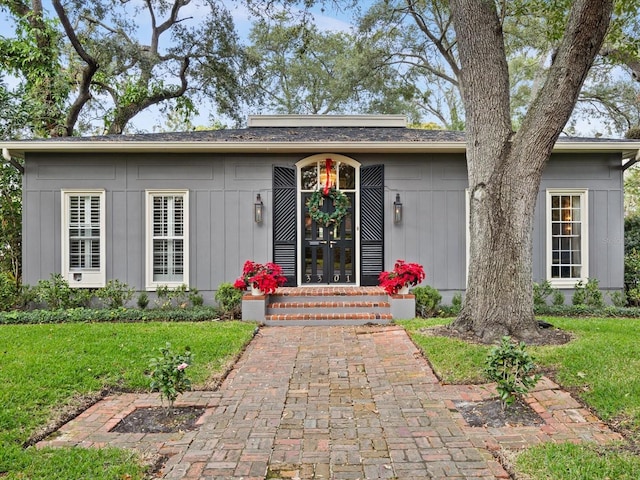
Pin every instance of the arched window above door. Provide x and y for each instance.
(336, 170)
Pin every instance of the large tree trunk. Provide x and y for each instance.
(504, 167)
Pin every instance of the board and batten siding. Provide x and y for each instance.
(601, 175)
(222, 192)
(223, 187)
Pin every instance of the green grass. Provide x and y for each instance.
(43, 367)
(600, 365)
(567, 461)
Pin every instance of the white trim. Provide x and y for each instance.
(82, 278)
(584, 236)
(150, 284)
(356, 211)
(19, 148)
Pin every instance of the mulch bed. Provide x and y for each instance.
(159, 420)
(489, 413)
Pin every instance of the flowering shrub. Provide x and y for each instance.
(403, 273)
(265, 277)
(168, 374)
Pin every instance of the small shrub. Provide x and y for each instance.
(594, 297)
(195, 298)
(589, 294)
(9, 293)
(56, 293)
(579, 295)
(172, 297)
(456, 303)
(168, 373)
(143, 300)
(115, 294)
(557, 298)
(632, 271)
(427, 301)
(511, 367)
(229, 300)
(619, 299)
(541, 292)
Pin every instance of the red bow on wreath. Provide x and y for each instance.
(327, 182)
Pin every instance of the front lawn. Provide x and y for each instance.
(45, 367)
(600, 366)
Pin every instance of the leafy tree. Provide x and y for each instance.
(419, 38)
(32, 56)
(505, 166)
(304, 71)
(105, 69)
(10, 222)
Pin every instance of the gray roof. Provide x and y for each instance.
(284, 134)
(305, 134)
(298, 139)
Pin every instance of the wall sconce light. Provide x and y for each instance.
(397, 209)
(258, 208)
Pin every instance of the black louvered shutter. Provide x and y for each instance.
(371, 224)
(284, 221)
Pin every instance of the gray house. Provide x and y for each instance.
(190, 208)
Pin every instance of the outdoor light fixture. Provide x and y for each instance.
(397, 209)
(258, 209)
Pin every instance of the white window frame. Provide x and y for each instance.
(584, 236)
(152, 284)
(82, 277)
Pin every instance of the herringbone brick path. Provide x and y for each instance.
(335, 403)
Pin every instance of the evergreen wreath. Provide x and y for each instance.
(341, 206)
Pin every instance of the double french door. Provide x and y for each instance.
(328, 251)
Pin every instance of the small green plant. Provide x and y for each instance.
(594, 296)
(589, 294)
(168, 374)
(427, 301)
(456, 303)
(619, 299)
(115, 294)
(541, 292)
(579, 295)
(9, 292)
(195, 298)
(143, 300)
(172, 297)
(511, 367)
(229, 300)
(56, 293)
(558, 298)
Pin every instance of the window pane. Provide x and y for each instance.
(566, 236)
(347, 177)
(83, 231)
(168, 238)
(309, 177)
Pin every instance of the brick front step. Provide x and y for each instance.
(332, 306)
(325, 306)
(290, 319)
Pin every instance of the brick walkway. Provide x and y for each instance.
(334, 403)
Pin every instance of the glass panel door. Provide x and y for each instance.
(328, 251)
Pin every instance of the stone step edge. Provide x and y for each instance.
(330, 304)
(313, 292)
(328, 316)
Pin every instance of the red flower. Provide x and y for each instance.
(403, 273)
(267, 277)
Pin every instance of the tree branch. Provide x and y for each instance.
(627, 59)
(90, 69)
(585, 31)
